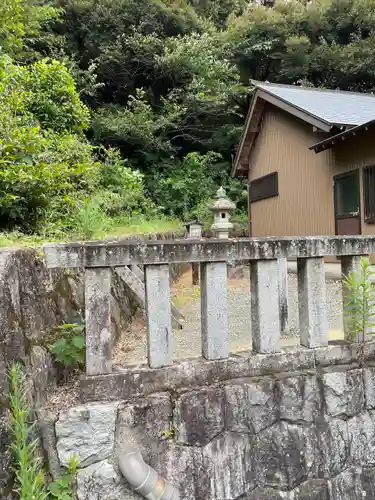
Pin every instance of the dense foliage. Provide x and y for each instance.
(115, 107)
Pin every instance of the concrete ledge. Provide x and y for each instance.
(125, 252)
(142, 380)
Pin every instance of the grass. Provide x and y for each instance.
(133, 226)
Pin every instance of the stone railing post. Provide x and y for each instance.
(265, 317)
(159, 317)
(98, 320)
(283, 293)
(214, 310)
(313, 320)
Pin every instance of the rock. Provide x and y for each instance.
(250, 406)
(267, 494)
(367, 483)
(5, 454)
(284, 455)
(299, 398)
(369, 381)
(199, 416)
(4, 382)
(227, 466)
(315, 489)
(88, 431)
(46, 425)
(361, 431)
(343, 392)
(333, 446)
(42, 373)
(346, 486)
(182, 467)
(100, 481)
(146, 422)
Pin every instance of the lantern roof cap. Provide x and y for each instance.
(222, 201)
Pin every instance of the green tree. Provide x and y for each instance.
(22, 20)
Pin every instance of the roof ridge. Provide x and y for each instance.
(258, 84)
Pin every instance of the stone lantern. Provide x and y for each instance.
(222, 209)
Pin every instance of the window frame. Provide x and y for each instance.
(368, 197)
(267, 196)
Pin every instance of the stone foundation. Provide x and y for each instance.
(299, 425)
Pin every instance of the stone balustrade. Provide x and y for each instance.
(97, 258)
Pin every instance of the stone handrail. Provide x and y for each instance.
(98, 259)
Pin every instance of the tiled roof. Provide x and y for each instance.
(332, 106)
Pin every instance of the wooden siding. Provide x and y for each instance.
(304, 206)
(357, 152)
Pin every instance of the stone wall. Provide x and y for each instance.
(33, 301)
(297, 425)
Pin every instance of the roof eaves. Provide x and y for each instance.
(244, 134)
(330, 141)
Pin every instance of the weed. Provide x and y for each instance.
(62, 489)
(69, 349)
(28, 466)
(170, 432)
(359, 303)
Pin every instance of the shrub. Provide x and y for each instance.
(40, 168)
(52, 97)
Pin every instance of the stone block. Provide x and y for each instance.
(343, 392)
(367, 483)
(199, 416)
(228, 468)
(116, 253)
(299, 398)
(347, 486)
(101, 481)
(333, 446)
(284, 455)
(42, 373)
(314, 489)
(267, 494)
(141, 381)
(147, 421)
(182, 467)
(87, 430)
(46, 425)
(4, 382)
(369, 382)
(5, 454)
(250, 405)
(361, 431)
(335, 354)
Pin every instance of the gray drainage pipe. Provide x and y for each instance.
(143, 478)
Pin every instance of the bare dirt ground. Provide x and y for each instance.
(132, 347)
